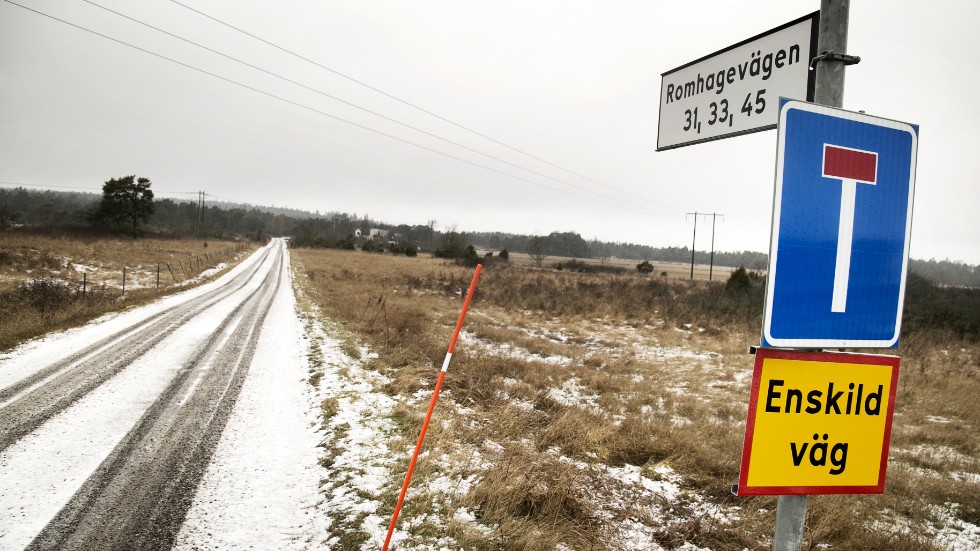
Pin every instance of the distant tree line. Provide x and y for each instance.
(90, 213)
(44, 209)
(570, 244)
(947, 273)
(75, 211)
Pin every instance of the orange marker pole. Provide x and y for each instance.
(432, 406)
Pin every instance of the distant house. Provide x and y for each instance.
(377, 234)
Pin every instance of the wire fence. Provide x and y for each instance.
(174, 271)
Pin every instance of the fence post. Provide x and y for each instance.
(158, 275)
(124, 280)
(84, 282)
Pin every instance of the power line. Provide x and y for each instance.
(421, 109)
(345, 102)
(314, 110)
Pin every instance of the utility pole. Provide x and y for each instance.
(694, 240)
(200, 210)
(711, 265)
(829, 90)
(714, 216)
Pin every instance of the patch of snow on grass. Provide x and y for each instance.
(558, 336)
(955, 534)
(638, 509)
(634, 535)
(936, 454)
(679, 421)
(572, 393)
(969, 478)
(631, 475)
(518, 403)
(947, 532)
(509, 350)
(646, 352)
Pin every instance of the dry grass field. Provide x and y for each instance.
(51, 282)
(596, 411)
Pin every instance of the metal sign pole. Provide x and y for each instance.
(831, 40)
(791, 509)
(790, 514)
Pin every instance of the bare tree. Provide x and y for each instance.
(535, 249)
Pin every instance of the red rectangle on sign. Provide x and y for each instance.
(849, 164)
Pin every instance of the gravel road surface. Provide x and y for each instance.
(106, 435)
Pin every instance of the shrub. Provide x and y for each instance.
(470, 258)
(504, 254)
(935, 309)
(739, 280)
(411, 251)
(451, 247)
(645, 267)
(46, 295)
(590, 268)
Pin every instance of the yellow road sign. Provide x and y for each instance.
(818, 423)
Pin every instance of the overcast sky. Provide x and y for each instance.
(573, 83)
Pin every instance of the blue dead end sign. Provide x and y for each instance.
(842, 214)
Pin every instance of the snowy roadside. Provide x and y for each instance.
(363, 453)
(356, 419)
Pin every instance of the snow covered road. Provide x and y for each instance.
(194, 408)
